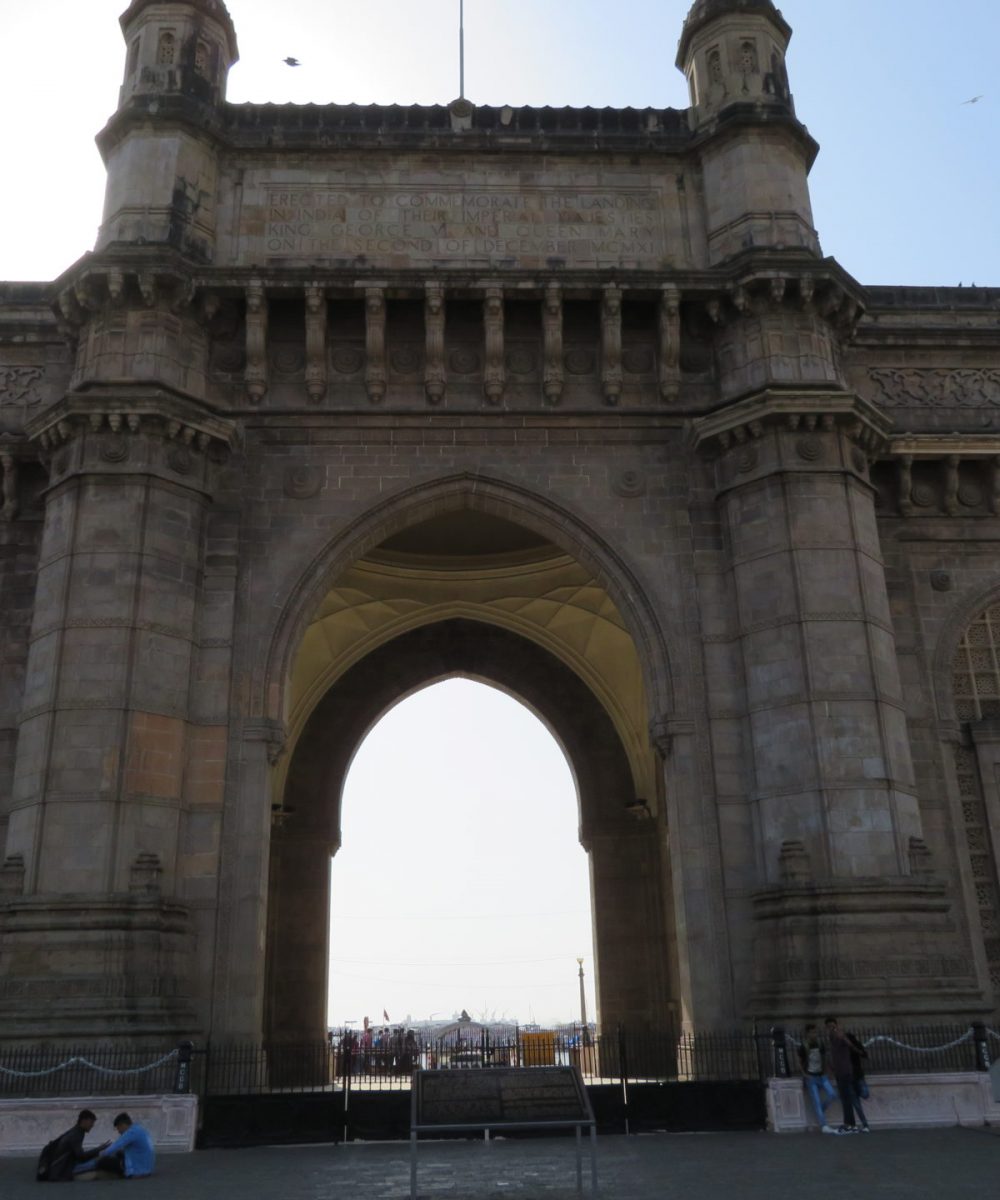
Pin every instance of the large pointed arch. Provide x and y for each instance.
(487, 495)
(631, 946)
(969, 606)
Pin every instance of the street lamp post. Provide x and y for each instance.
(583, 1005)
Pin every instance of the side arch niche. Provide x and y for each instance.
(467, 593)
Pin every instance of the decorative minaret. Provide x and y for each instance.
(733, 54)
(158, 147)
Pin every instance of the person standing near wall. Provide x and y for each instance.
(841, 1049)
(813, 1061)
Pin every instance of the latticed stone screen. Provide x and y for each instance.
(976, 669)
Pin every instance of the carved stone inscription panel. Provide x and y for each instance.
(477, 218)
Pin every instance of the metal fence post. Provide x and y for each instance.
(182, 1076)
(982, 1046)
(780, 1051)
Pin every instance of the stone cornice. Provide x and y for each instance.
(933, 445)
(140, 409)
(828, 411)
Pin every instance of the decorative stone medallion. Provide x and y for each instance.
(463, 362)
(301, 483)
(580, 361)
(809, 448)
(941, 581)
(629, 483)
(288, 360)
(747, 459)
(521, 360)
(348, 360)
(638, 360)
(923, 495)
(970, 494)
(405, 359)
(114, 448)
(180, 459)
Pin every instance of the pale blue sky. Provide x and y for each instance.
(905, 191)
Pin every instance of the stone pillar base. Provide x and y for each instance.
(77, 968)
(861, 950)
(896, 1102)
(26, 1125)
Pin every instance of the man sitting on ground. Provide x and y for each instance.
(130, 1156)
(63, 1157)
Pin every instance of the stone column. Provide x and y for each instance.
(842, 919)
(99, 938)
(631, 965)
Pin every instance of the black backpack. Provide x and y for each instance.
(49, 1158)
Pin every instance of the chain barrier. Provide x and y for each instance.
(92, 1065)
(882, 1037)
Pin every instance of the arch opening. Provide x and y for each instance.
(460, 883)
(478, 595)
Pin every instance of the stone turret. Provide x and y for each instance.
(733, 52)
(160, 146)
(186, 47)
(755, 155)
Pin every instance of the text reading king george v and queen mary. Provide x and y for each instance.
(588, 226)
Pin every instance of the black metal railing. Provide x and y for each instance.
(906, 1050)
(108, 1069)
(385, 1062)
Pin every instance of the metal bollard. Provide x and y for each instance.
(182, 1076)
(780, 1051)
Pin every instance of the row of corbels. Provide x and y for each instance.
(66, 428)
(860, 432)
(760, 294)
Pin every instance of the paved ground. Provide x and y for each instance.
(946, 1164)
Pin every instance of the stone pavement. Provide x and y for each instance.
(942, 1164)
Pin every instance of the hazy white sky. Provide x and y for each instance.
(905, 191)
(461, 882)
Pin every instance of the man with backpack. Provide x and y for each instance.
(64, 1154)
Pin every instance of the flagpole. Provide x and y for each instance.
(461, 49)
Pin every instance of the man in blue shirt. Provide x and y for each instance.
(131, 1155)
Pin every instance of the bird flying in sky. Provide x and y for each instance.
(974, 100)
(291, 62)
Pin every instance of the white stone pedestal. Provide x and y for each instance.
(26, 1125)
(896, 1102)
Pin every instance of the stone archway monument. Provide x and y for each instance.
(247, 426)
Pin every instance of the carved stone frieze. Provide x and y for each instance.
(935, 387)
(20, 387)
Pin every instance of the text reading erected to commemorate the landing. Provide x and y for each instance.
(595, 227)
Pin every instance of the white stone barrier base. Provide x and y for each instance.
(26, 1125)
(896, 1102)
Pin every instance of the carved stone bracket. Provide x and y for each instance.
(435, 372)
(494, 374)
(375, 371)
(552, 326)
(145, 874)
(163, 416)
(316, 380)
(670, 343)
(12, 875)
(807, 413)
(794, 863)
(255, 375)
(949, 453)
(611, 344)
(832, 296)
